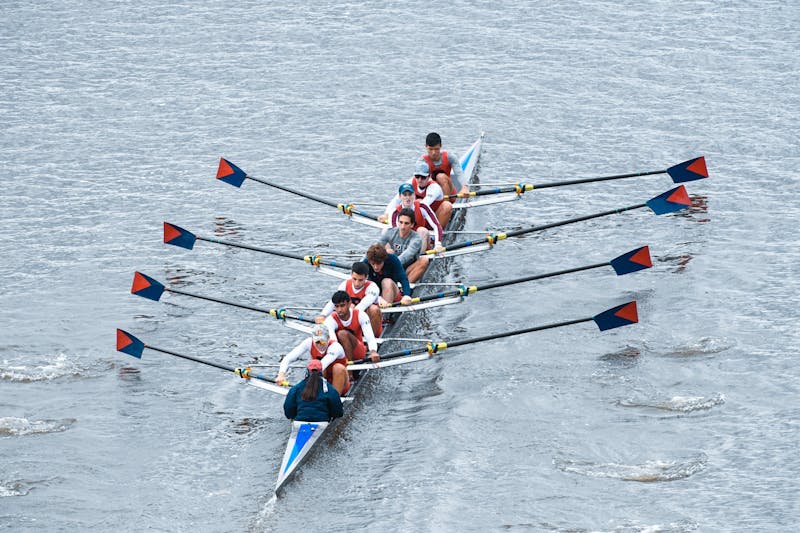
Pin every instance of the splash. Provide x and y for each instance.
(57, 367)
(16, 427)
(647, 472)
(678, 404)
(703, 346)
(13, 488)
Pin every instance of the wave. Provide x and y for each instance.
(703, 346)
(16, 427)
(60, 366)
(679, 404)
(13, 488)
(647, 472)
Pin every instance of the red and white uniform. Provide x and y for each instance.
(431, 195)
(362, 299)
(424, 217)
(442, 166)
(359, 325)
(333, 354)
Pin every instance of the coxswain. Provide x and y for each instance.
(351, 328)
(425, 221)
(428, 192)
(320, 345)
(387, 271)
(312, 400)
(363, 296)
(443, 166)
(406, 244)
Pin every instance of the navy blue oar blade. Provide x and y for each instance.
(622, 315)
(146, 287)
(127, 343)
(691, 170)
(670, 201)
(230, 173)
(633, 261)
(178, 236)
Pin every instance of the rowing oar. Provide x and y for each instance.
(633, 261)
(184, 238)
(152, 289)
(233, 175)
(129, 344)
(616, 317)
(691, 170)
(668, 202)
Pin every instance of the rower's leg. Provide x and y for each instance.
(389, 289)
(340, 381)
(374, 314)
(425, 235)
(348, 342)
(416, 269)
(444, 212)
(446, 183)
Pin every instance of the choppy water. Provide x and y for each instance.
(114, 115)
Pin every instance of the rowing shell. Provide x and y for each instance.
(305, 435)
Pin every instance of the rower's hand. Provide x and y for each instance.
(464, 189)
(389, 249)
(319, 319)
(405, 300)
(439, 249)
(382, 302)
(281, 378)
(374, 357)
(384, 218)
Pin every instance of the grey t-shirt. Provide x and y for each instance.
(407, 250)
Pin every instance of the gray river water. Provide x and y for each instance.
(114, 115)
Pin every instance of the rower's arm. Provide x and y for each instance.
(294, 355)
(366, 331)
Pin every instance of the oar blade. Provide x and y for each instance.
(146, 287)
(230, 173)
(622, 315)
(691, 170)
(633, 261)
(127, 343)
(178, 236)
(670, 201)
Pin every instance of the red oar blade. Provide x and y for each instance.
(670, 201)
(146, 287)
(622, 315)
(633, 261)
(178, 236)
(127, 343)
(693, 169)
(230, 173)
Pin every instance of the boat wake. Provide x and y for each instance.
(647, 472)
(676, 404)
(17, 427)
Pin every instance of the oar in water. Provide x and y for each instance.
(668, 202)
(184, 238)
(616, 317)
(633, 261)
(233, 175)
(691, 170)
(152, 289)
(129, 344)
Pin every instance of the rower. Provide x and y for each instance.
(428, 192)
(406, 244)
(443, 166)
(331, 354)
(425, 221)
(363, 296)
(387, 271)
(312, 400)
(352, 328)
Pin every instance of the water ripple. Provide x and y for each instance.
(651, 471)
(15, 427)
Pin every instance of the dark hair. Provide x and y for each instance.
(340, 297)
(311, 389)
(407, 212)
(433, 139)
(359, 267)
(377, 253)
